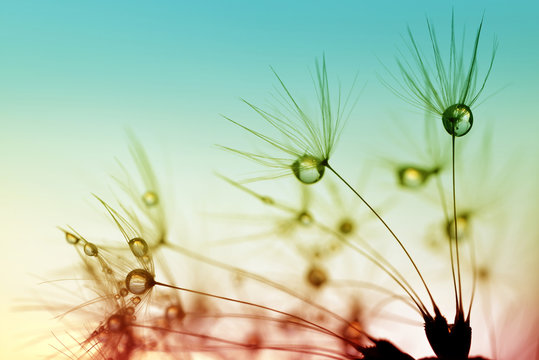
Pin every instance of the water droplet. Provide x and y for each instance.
(123, 292)
(308, 169)
(138, 246)
(316, 276)
(115, 323)
(135, 300)
(90, 249)
(457, 119)
(346, 226)
(150, 198)
(412, 177)
(129, 310)
(174, 312)
(463, 224)
(305, 218)
(139, 281)
(71, 239)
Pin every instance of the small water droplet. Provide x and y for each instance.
(457, 119)
(129, 310)
(463, 224)
(305, 218)
(71, 239)
(174, 312)
(150, 198)
(138, 246)
(135, 300)
(308, 169)
(412, 177)
(90, 249)
(316, 276)
(139, 281)
(346, 226)
(115, 323)
(123, 292)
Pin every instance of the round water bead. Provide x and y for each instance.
(457, 119)
(412, 177)
(463, 224)
(115, 323)
(72, 239)
(308, 169)
(305, 218)
(346, 226)
(150, 198)
(174, 312)
(139, 281)
(90, 249)
(138, 247)
(316, 276)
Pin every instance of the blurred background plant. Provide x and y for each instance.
(70, 87)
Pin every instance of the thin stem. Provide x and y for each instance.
(321, 328)
(443, 201)
(459, 304)
(388, 229)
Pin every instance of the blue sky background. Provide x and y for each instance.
(75, 75)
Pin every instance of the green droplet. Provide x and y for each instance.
(139, 281)
(90, 249)
(308, 169)
(150, 198)
(412, 177)
(72, 239)
(457, 119)
(138, 246)
(463, 225)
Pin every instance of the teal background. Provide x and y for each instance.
(75, 75)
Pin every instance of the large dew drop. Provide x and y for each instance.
(457, 119)
(138, 247)
(71, 239)
(139, 281)
(308, 169)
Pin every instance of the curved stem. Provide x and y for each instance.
(388, 229)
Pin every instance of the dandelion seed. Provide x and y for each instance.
(444, 87)
(307, 141)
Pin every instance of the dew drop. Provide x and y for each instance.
(139, 281)
(463, 224)
(457, 119)
(174, 312)
(138, 246)
(308, 169)
(316, 276)
(123, 292)
(71, 239)
(115, 323)
(305, 218)
(412, 177)
(90, 249)
(346, 227)
(130, 310)
(135, 300)
(150, 198)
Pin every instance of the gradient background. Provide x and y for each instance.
(75, 75)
